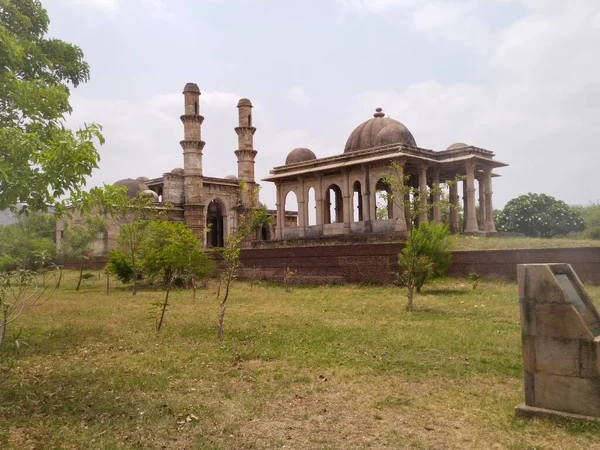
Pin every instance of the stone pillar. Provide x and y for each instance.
(463, 225)
(192, 145)
(245, 153)
(490, 226)
(471, 217)
(347, 203)
(454, 226)
(398, 205)
(319, 203)
(423, 213)
(280, 206)
(302, 209)
(481, 190)
(435, 184)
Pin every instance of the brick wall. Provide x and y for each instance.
(376, 263)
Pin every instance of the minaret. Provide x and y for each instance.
(192, 145)
(246, 153)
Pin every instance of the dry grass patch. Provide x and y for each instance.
(510, 243)
(314, 368)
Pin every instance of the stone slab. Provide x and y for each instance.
(560, 320)
(569, 394)
(556, 356)
(530, 412)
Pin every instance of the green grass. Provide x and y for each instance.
(509, 243)
(317, 367)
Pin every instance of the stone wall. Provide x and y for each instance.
(376, 263)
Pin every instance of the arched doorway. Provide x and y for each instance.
(384, 207)
(357, 214)
(215, 225)
(334, 206)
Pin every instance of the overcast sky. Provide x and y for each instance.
(518, 77)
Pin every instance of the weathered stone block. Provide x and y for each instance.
(587, 358)
(560, 320)
(528, 322)
(529, 385)
(528, 353)
(557, 356)
(568, 394)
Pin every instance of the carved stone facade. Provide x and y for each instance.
(207, 205)
(339, 195)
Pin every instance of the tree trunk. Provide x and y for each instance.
(409, 304)
(107, 283)
(80, 276)
(60, 274)
(164, 309)
(224, 305)
(135, 281)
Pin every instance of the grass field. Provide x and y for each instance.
(506, 243)
(314, 368)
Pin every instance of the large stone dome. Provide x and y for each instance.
(300, 154)
(379, 130)
(134, 187)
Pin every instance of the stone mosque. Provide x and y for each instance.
(335, 195)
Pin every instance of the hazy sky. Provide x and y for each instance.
(519, 77)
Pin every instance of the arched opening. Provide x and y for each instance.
(215, 236)
(357, 202)
(334, 206)
(383, 201)
(290, 205)
(249, 120)
(312, 207)
(196, 108)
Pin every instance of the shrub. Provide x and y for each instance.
(433, 241)
(591, 217)
(539, 215)
(119, 266)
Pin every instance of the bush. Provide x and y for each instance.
(539, 215)
(119, 266)
(591, 218)
(433, 240)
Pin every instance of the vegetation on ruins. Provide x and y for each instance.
(171, 252)
(79, 239)
(428, 249)
(42, 160)
(539, 215)
(250, 220)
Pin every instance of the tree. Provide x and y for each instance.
(79, 239)
(539, 215)
(172, 252)
(130, 215)
(428, 248)
(20, 291)
(28, 243)
(250, 220)
(41, 160)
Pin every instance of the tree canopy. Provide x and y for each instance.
(539, 215)
(40, 159)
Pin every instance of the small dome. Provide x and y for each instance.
(149, 193)
(366, 135)
(244, 102)
(142, 179)
(191, 87)
(457, 145)
(178, 171)
(300, 154)
(134, 187)
(231, 177)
